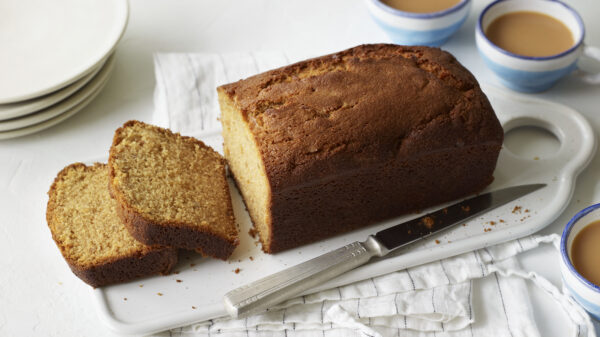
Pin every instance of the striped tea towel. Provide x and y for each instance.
(436, 299)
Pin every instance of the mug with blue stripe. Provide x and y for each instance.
(586, 293)
(528, 73)
(426, 29)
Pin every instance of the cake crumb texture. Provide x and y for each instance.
(83, 220)
(172, 190)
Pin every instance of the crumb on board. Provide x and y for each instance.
(536, 158)
(428, 222)
(124, 298)
(526, 210)
(487, 230)
(517, 209)
(176, 272)
(192, 264)
(466, 208)
(141, 286)
(492, 223)
(193, 307)
(237, 270)
(501, 220)
(159, 294)
(464, 225)
(437, 242)
(251, 258)
(178, 281)
(252, 232)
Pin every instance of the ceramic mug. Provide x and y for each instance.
(526, 73)
(583, 291)
(426, 29)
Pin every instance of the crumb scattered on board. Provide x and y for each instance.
(253, 232)
(141, 285)
(124, 298)
(178, 281)
(193, 307)
(251, 258)
(192, 264)
(516, 210)
(159, 294)
(237, 270)
(437, 242)
(487, 229)
(428, 222)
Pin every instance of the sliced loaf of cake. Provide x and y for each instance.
(83, 220)
(171, 190)
(339, 142)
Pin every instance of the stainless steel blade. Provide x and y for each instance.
(424, 226)
(271, 290)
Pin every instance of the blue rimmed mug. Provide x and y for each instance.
(526, 73)
(427, 29)
(583, 291)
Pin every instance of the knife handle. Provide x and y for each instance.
(274, 289)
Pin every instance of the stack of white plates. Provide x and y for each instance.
(56, 57)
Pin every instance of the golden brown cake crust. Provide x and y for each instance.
(114, 269)
(347, 130)
(145, 231)
(173, 233)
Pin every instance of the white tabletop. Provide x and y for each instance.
(38, 293)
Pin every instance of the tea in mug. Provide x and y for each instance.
(421, 6)
(530, 34)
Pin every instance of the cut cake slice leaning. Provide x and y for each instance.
(172, 190)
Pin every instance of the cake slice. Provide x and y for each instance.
(83, 220)
(171, 190)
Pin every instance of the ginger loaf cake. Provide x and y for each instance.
(83, 220)
(337, 142)
(171, 190)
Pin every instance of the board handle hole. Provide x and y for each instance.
(531, 142)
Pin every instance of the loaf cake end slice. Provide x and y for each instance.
(172, 190)
(83, 220)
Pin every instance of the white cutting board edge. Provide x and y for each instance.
(578, 144)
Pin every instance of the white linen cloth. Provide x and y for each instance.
(436, 299)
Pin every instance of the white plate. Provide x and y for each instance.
(203, 283)
(63, 116)
(89, 89)
(19, 109)
(47, 45)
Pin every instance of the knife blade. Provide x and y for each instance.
(271, 290)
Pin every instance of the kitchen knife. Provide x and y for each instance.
(274, 289)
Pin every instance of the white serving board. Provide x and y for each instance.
(203, 282)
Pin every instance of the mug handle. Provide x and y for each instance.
(593, 53)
